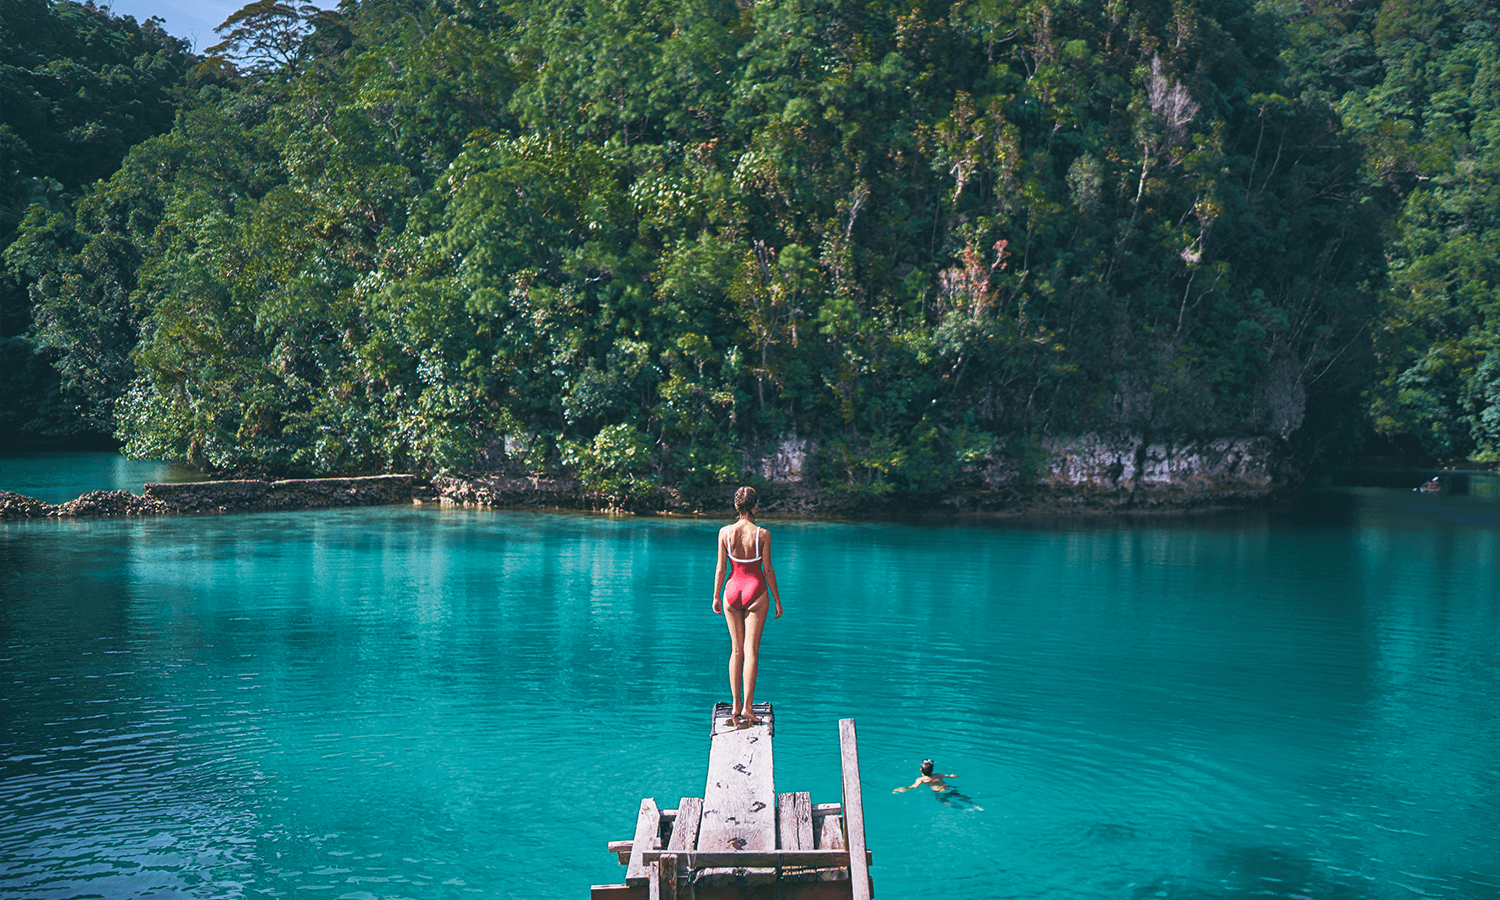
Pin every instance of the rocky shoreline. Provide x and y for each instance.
(239, 495)
(1087, 476)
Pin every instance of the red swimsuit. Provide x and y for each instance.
(747, 580)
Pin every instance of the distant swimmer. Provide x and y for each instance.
(944, 791)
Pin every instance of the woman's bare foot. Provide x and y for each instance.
(749, 719)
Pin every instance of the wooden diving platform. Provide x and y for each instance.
(742, 836)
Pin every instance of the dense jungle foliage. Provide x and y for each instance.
(638, 239)
(78, 89)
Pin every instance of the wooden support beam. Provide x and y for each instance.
(622, 850)
(743, 859)
(647, 837)
(854, 812)
(814, 890)
(664, 878)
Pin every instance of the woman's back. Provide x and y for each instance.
(742, 540)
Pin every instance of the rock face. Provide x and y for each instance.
(1087, 474)
(1133, 473)
(500, 490)
(1090, 474)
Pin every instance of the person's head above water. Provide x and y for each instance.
(926, 767)
(745, 500)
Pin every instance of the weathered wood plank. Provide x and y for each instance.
(806, 891)
(742, 859)
(685, 830)
(830, 834)
(685, 826)
(794, 821)
(854, 812)
(739, 800)
(647, 837)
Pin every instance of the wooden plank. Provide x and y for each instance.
(854, 812)
(794, 821)
(743, 859)
(830, 832)
(647, 837)
(830, 836)
(838, 890)
(685, 826)
(685, 830)
(739, 799)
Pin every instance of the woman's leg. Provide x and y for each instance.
(754, 622)
(735, 619)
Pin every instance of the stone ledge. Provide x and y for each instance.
(225, 496)
(299, 493)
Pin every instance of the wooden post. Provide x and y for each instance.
(854, 812)
(664, 878)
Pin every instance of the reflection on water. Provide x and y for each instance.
(53, 477)
(421, 703)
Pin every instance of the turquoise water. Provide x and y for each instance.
(60, 477)
(425, 703)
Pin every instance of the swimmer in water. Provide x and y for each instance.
(944, 791)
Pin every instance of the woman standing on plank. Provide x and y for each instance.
(747, 548)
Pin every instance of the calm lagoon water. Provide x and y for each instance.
(426, 703)
(59, 477)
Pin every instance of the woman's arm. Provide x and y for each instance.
(719, 572)
(765, 562)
